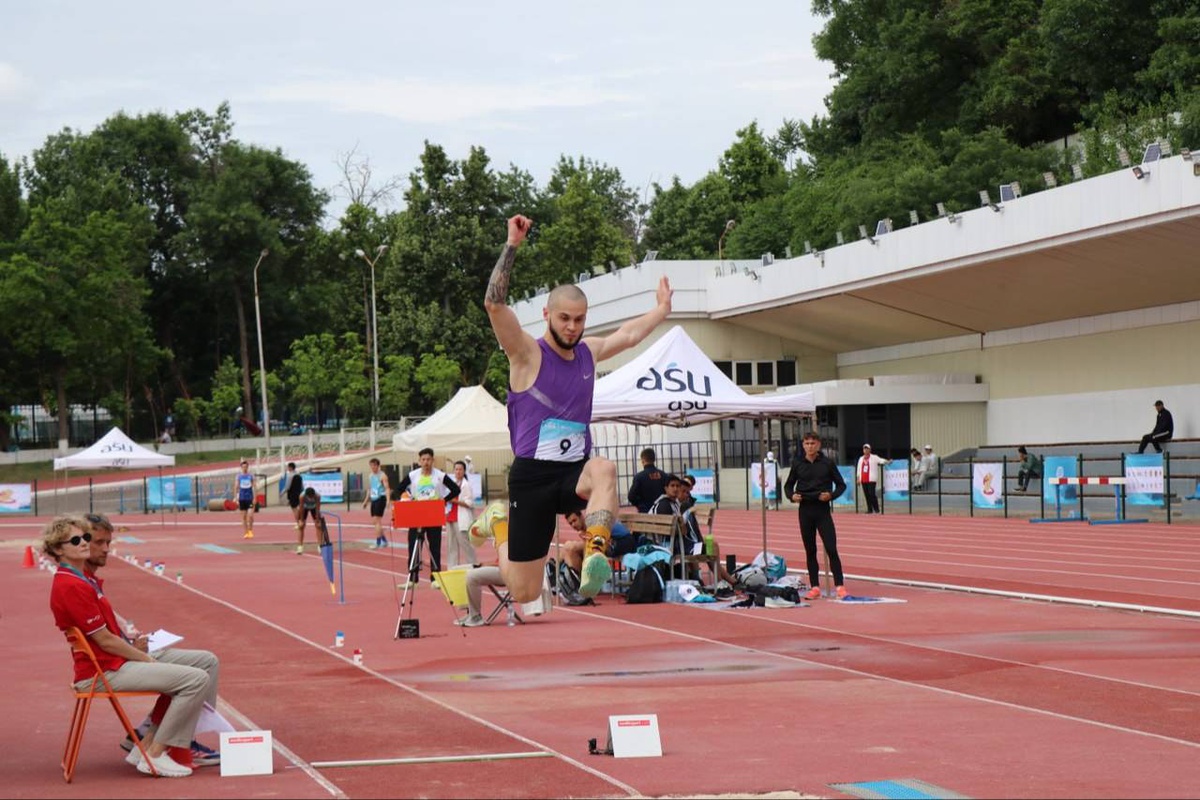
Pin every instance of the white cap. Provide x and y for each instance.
(688, 592)
(770, 455)
(867, 446)
(928, 447)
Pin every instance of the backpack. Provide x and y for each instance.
(567, 582)
(749, 576)
(649, 584)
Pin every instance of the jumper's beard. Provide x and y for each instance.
(565, 345)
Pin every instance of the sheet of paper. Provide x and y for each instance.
(160, 640)
(211, 721)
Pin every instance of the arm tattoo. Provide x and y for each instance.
(497, 290)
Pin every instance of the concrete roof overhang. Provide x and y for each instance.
(1106, 244)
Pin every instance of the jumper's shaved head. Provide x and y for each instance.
(567, 293)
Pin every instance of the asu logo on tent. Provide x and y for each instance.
(671, 380)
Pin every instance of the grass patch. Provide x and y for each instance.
(43, 471)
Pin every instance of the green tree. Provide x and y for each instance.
(80, 302)
(438, 376)
(445, 245)
(13, 211)
(396, 385)
(246, 199)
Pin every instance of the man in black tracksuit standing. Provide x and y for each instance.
(649, 484)
(814, 482)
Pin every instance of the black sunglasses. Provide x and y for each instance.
(79, 538)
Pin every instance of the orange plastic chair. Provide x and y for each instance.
(99, 689)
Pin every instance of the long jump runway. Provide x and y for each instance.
(981, 696)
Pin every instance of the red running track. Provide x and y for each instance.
(984, 696)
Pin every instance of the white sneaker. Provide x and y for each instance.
(778, 602)
(164, 766)
(470, 621)
(134, 758)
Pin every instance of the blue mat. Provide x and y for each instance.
(216, 548)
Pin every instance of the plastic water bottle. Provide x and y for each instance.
(339, 639)
(512, 616)
(179, 577)
(358, 656)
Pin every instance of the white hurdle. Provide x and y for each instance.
(1116, 481)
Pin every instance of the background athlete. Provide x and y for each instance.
(550, 383)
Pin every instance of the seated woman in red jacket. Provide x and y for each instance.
(77, 600)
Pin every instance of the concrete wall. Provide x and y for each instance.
(1057, 384)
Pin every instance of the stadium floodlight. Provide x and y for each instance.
(379, 251)
(949, 215)
(1077, 171)
(913, 219)
(1185, 154)
(807, 247)
(985, 200)
(841, 238)
(1123, 156)
(1050, 180)
(262, 364)
(1153, 154)
(862, 234)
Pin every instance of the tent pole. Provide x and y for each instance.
(762, 479)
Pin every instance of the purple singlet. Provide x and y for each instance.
(549, 420)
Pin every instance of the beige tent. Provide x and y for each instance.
(472, 424)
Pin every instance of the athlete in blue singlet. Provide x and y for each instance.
(377, 497)
(549, 410)
(244, 487)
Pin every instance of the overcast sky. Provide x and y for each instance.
(653, 88)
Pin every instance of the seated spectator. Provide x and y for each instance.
(202, 756)
(77, 601)
(1029, 468)
(668, 501)
(926, 467)
(694, 535)
(619, 543)
(489, 575)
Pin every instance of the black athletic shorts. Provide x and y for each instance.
(310, 512)
(538, 491)
(378, 506)
(294, 504)
(245, 505)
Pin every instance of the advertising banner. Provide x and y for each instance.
(987, 485)
(847, 498)
(1144, 479)
(756, 479)
(16, 498)
(328, 484)
(705, 490)
(168, 492)
(1059, 467)
(895, 480)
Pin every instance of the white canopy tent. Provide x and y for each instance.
(114, 450)
(674, 383)
(472, 422)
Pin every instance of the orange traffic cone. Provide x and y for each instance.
(28, 562)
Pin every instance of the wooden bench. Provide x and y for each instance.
(664, 529)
